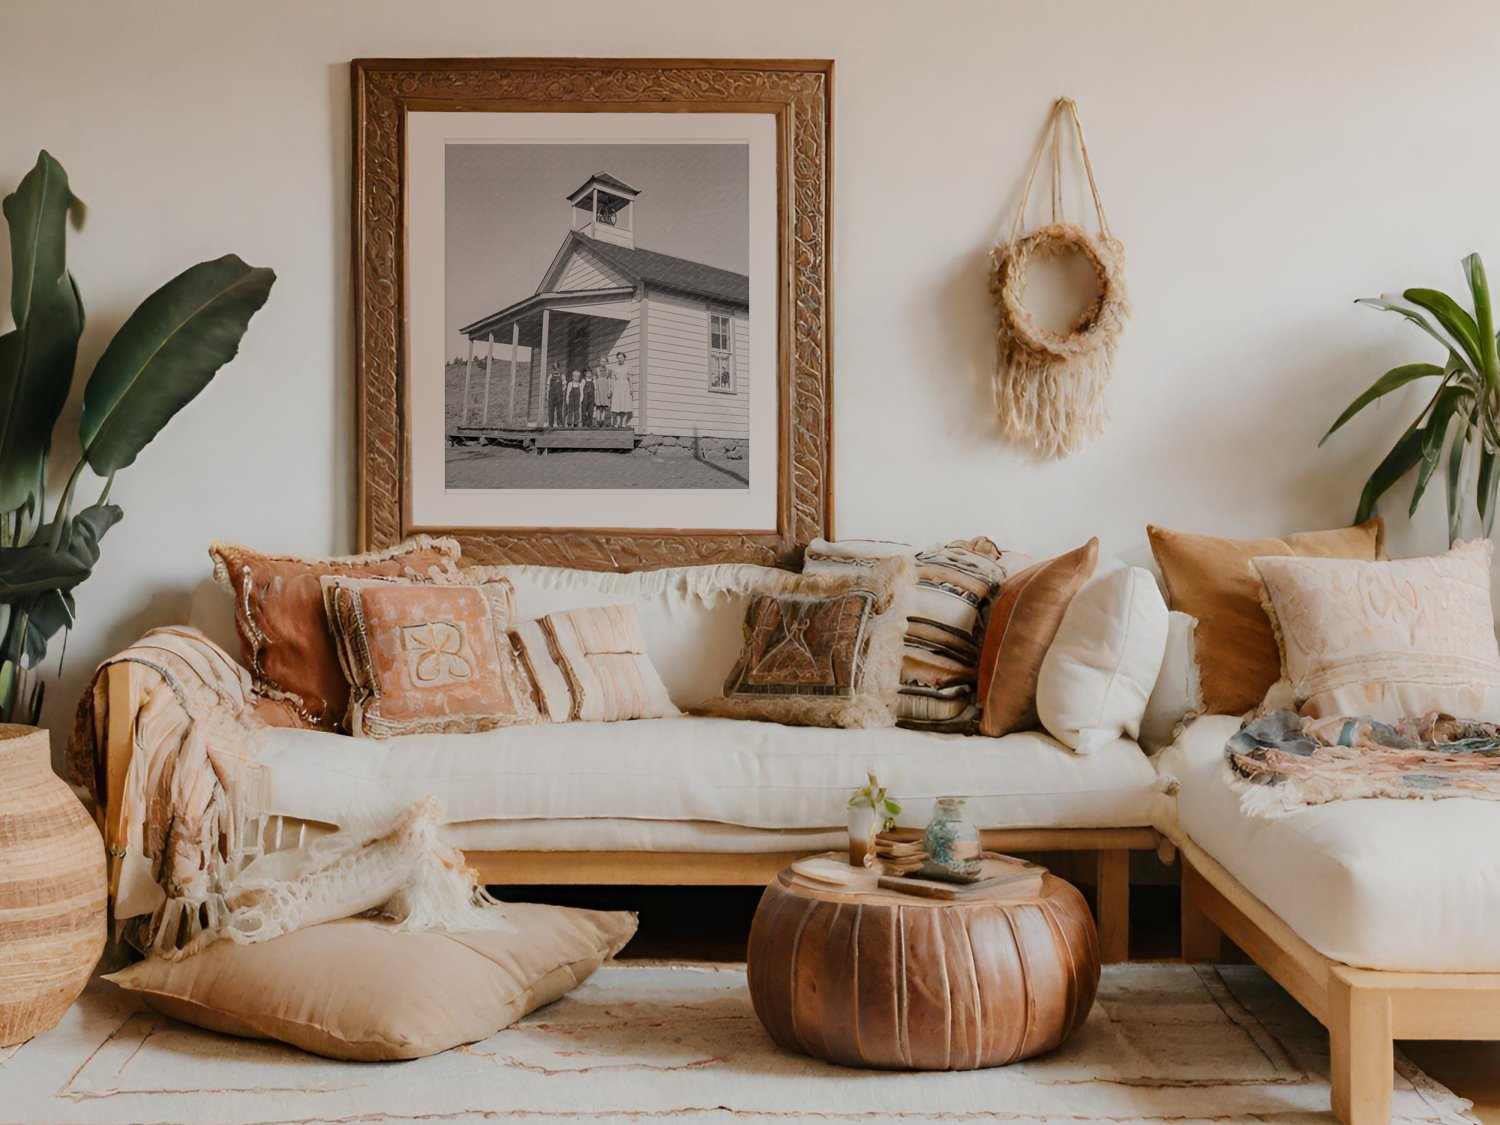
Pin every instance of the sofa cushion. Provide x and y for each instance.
(284, 636)
(422, 656)
(690, 617)
(1375, 883)
(1213, 579)
(589, 665)
(731, 771)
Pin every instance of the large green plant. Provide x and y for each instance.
(162, 356)
(1457, 427)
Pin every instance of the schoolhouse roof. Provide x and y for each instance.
(607, 180)
(668, 272)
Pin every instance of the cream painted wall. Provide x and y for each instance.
(1264, 164)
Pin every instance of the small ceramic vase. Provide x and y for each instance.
(861, 832)
(951, 843)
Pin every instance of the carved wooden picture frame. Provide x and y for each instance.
(387, 96)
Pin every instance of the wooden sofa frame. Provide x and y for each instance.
(1111, 846)
(1364, 1010)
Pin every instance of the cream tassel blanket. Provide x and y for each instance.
(192, 865)
(1049, 386)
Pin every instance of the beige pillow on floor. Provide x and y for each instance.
(358, 990)
(1391, 640)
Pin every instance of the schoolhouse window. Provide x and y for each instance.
(720, 353)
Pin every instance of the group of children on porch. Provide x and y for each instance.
(597, 397)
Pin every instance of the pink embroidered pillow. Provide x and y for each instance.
(1390, 640)
(427, 657)
(590, 665)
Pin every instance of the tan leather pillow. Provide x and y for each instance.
(357, 990)
(427, 657)
(285, 640)
(1023, 622)
(1214, 580)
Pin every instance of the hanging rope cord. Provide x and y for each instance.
(1049, 386)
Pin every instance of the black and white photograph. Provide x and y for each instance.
(597, 316)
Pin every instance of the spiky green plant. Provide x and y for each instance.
(163, 355)
(1457, 427)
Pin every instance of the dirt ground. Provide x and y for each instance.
(471, 466)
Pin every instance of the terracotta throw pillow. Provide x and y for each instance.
(1388, 640)
(357, 990)
(1026, 617)
(590, 665)
(285, 639)
(1215, 581)
(426, 657)
(823, 649)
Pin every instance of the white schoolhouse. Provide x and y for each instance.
(683, 328)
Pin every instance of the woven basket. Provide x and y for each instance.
(52, 889)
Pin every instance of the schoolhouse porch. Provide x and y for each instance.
(511, 352)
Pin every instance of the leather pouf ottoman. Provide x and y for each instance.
(889, 980)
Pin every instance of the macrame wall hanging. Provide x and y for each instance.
(1049, 386)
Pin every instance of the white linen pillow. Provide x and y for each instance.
(1100, 669)
(1178, 694)
(1388, 640)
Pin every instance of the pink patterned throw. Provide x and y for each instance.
(1280, 761)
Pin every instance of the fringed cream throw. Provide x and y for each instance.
(1049, 386)
(190, 850)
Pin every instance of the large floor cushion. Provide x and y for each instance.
(730, 771)
(1379, 884)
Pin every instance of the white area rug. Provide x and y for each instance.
(646, 1042)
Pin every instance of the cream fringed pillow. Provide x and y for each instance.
(426, 657)
(1388, 640)
(823, 649)
(590, 665)
(356, 990)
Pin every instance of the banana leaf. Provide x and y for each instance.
(35, 568)
(1394, 379)
(37, 356)
(166, 353)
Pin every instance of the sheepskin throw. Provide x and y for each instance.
(1049, 386)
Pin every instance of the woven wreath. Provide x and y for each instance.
(1049, 386)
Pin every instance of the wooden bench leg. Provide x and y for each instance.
(1112, 886)
(1361, 1052)
(1202, 941)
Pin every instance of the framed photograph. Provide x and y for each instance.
(592, 307)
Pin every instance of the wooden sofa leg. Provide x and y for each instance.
(1112, 886)
(1202, 941)
(1361, 1052)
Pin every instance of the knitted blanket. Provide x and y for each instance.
(1280, 761)
(194, 857)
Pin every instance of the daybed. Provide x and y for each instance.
(1378, 915)
(671, 801)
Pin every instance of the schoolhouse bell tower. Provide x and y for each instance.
(604, 208)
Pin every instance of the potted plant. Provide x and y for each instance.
(871, 811)
(1457, 427)
(52, 870)
(162, 356)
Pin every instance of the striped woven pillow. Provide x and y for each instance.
(956, 584)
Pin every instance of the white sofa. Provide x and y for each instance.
(1378, 915)
(693, 800)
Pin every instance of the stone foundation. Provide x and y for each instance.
(713, 448)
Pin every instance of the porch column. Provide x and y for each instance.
(489, 363)
(539, 406)
(515, 344)
(468, 376)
